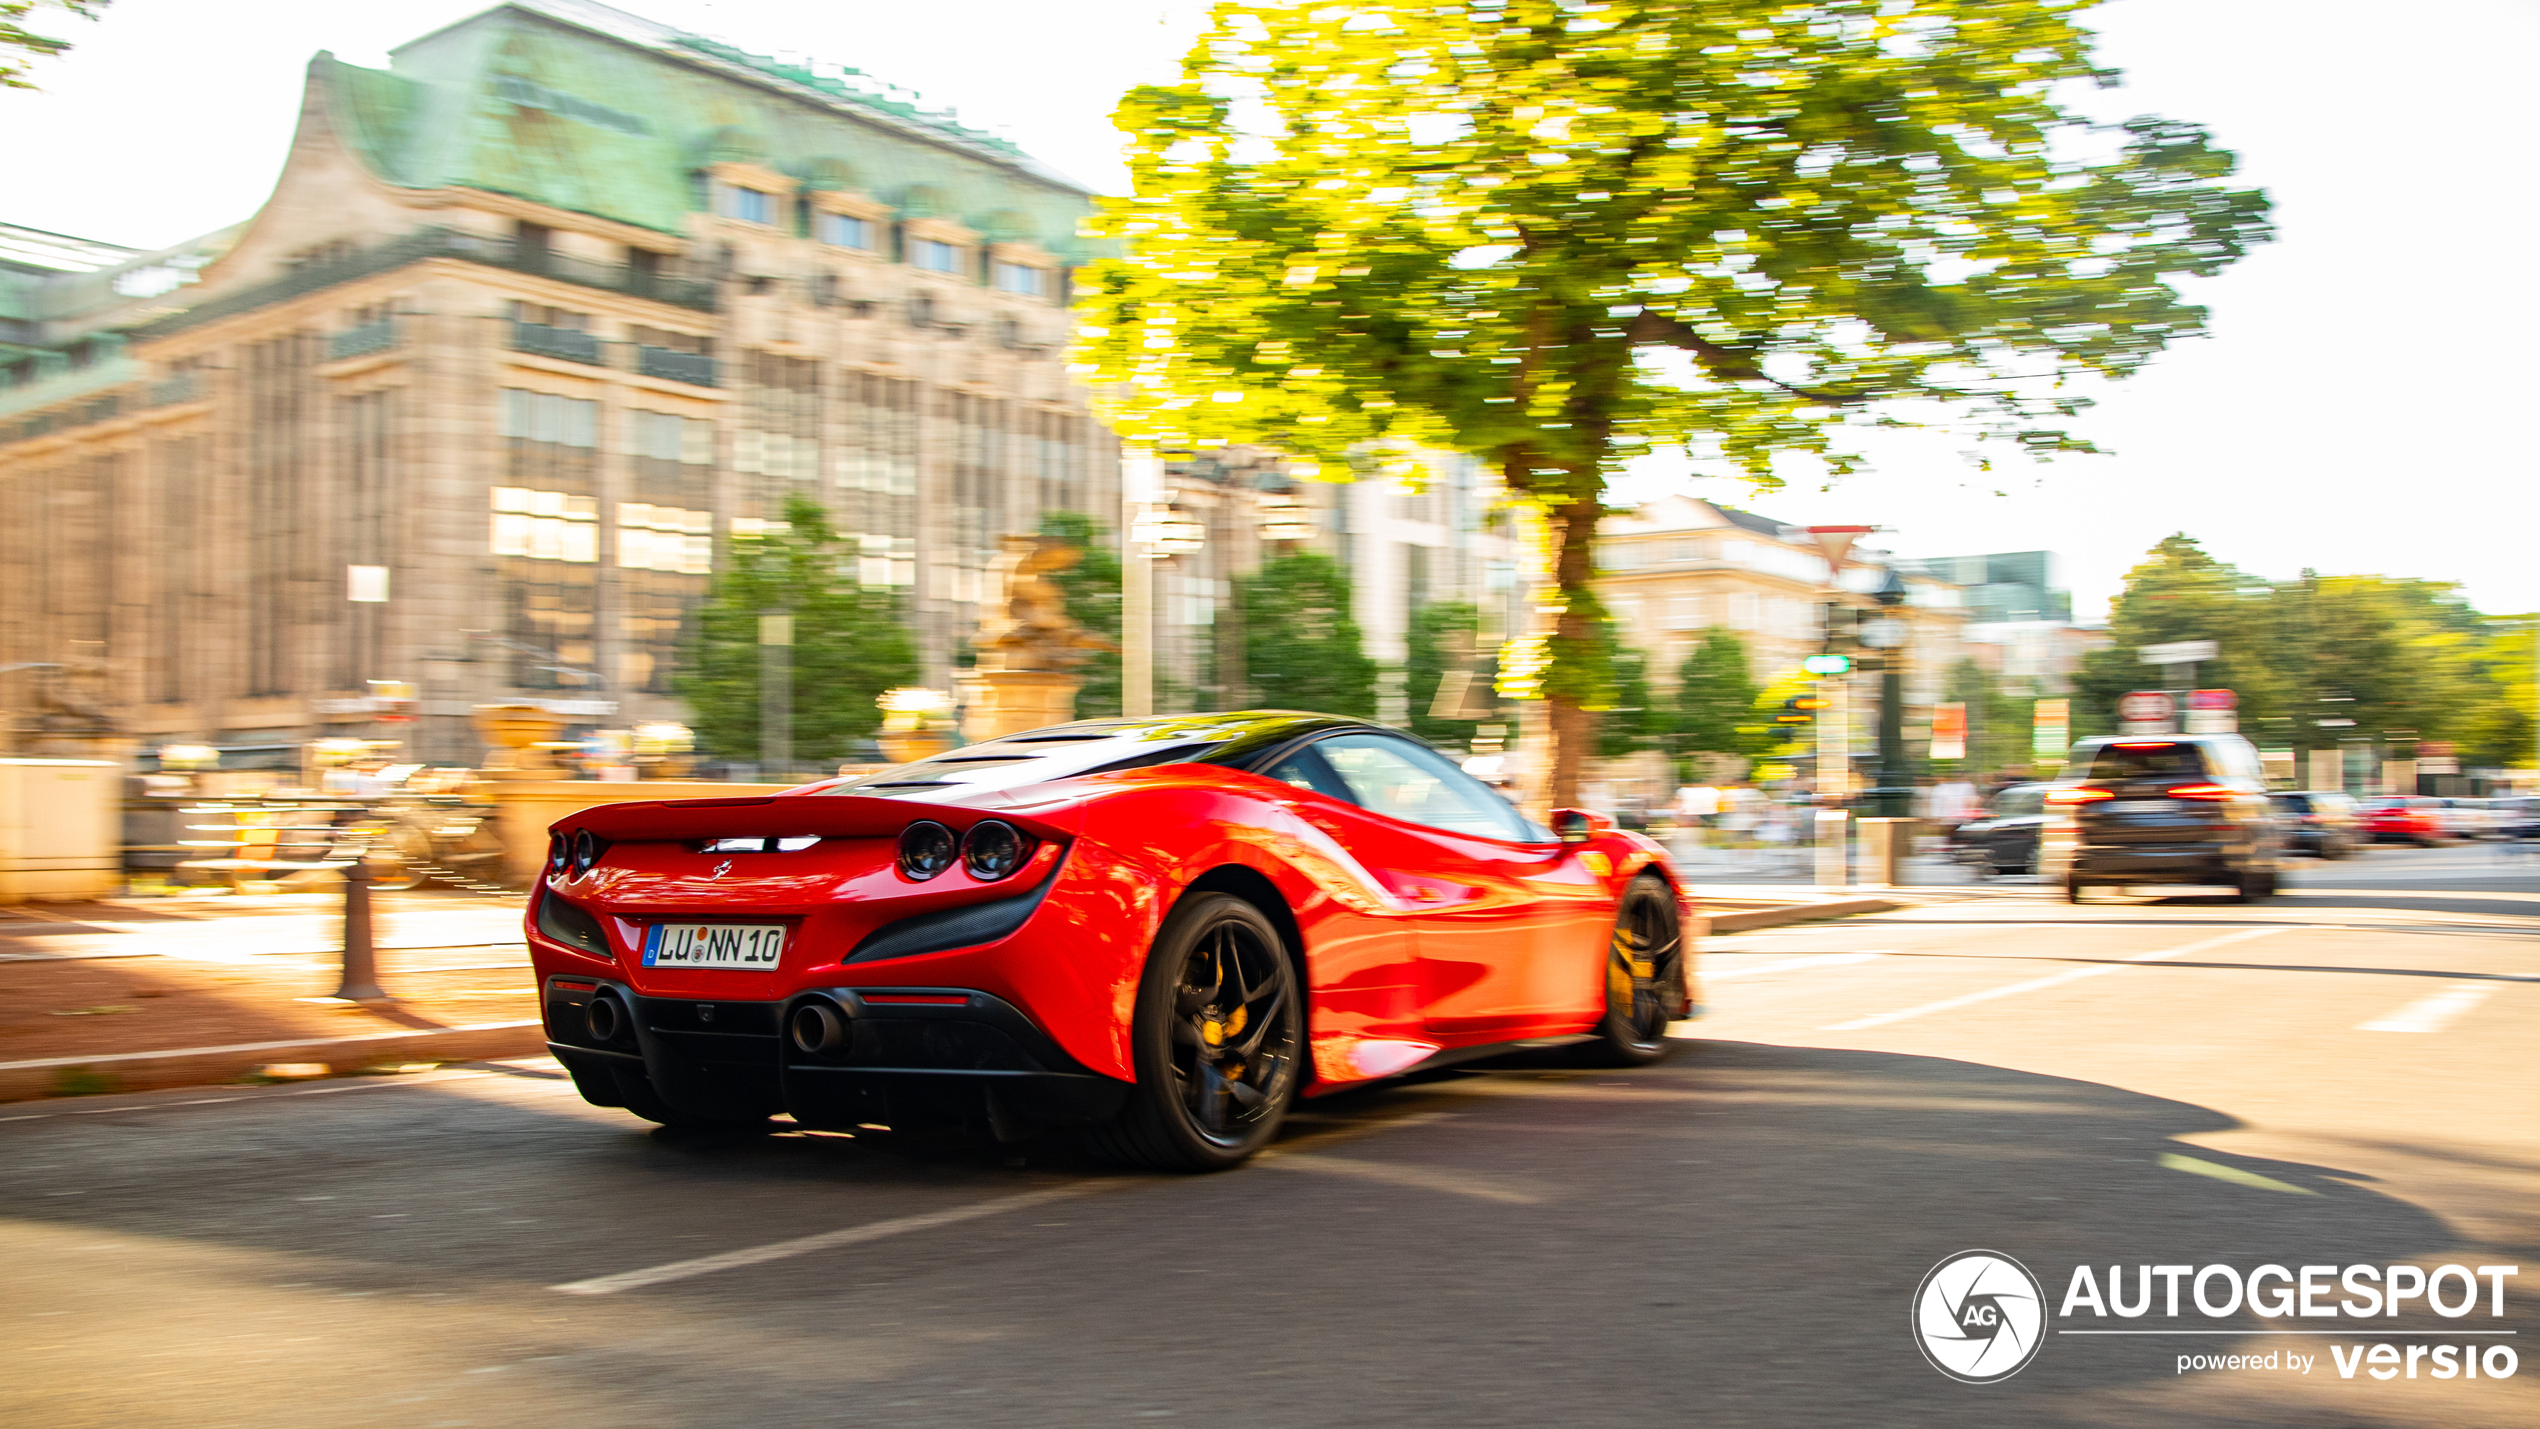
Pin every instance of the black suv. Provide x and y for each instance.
(2173, 808)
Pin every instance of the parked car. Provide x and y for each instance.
(2319, 822)
(2403, 819)
(2003, 836)
(1154, 932)
(2520, 817)
(2181, 808)
(2470, 818)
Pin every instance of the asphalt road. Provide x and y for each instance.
(2343, 1075)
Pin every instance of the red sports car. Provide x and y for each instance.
(1156, 932)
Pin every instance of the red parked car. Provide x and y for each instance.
(1154, 932)
(2404, 819)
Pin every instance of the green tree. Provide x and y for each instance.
(18, 44)
(1092, 587)
(1715, 697)
(2001, 724)
(2315, 661)
(2179, 592)
(2497, 731)
(1443, 638)
(1554, 234)
(1301, 647)
(1635, 720)
(851, 641)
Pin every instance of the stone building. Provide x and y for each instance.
(534, 323)
(1679, 565)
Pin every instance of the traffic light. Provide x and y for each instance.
(1799, 709)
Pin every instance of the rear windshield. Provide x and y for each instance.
(2146, 759)
(2298, 803)
(1012, 763)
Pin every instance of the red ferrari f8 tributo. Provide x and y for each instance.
(1157, 932)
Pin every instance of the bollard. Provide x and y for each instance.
(361, 954)
(1883, 846)
(1833, 848)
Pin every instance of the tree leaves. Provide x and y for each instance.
(1473, 224)
(19, 44)
(851, 642)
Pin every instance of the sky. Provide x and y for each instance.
(2361, 404)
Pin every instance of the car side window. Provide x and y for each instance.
(1305, 769)
(1411, 782)
(2015, 803)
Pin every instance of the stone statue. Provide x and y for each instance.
(1030, 629)
(1028, 645)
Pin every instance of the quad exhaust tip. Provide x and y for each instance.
(817, 1028)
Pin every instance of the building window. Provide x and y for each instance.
(934, 255)
(840, 230)
(1022, 278)
(748, 204)
(545, 525)
(1684, 612)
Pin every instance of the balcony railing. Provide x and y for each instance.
(362, 341)
(562, 343)
(426, 243)
(674, 366)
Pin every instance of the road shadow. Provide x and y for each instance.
(1730, 1237)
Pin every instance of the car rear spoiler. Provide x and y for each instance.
(792, 816)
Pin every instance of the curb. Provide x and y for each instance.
(199, 1066)
(1797, 913)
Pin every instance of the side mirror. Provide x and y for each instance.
(1577, 826)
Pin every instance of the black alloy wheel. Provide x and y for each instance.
(1219, 1037)
(1644, 976)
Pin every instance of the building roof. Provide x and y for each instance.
(589, 109)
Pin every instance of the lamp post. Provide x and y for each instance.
(1888, 635)
(1156, 531)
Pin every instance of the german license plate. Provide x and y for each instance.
(748, 947)
(2139, 806)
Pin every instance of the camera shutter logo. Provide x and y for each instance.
(1979, 1316)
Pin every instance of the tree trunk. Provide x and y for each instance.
(1572, 533)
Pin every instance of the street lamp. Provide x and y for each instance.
(1156, 530)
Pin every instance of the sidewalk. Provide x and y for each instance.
(137, 994)
(129, 995)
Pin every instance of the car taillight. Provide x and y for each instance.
(2076, 796)
(2199, 791)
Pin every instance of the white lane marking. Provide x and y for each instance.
(1413, 1177)
(1819, 960)
(2432, 1012)
(2051, 980)
(826, 1240)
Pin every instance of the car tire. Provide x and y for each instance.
(1219, 990)
(1641, 993)
(2072, 888)
(2253, 886)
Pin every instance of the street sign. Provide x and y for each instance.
(1826, 664)
(2213, 712)
(1949, 731)
(1836, 542)
(2146, 707)
(2051, 730)
(2178, 652)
